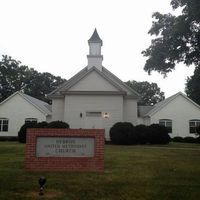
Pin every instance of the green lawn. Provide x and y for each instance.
(131, 172)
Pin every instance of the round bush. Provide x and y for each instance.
(189, 139)
(134, 139)
(53, 124)
(177, 139)
(22, 131)
(122, 133)
(158, 134)
(58, 124)
(198, 140)
(8, 138)
(41, 125)
(198, 130)
(142, 132)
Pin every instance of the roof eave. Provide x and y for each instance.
(36, 106)
(94, 93)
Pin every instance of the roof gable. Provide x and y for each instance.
(94, 82)
(74, 81)
(157, 107)
(123, 85)
(114, 82)
(42, 106)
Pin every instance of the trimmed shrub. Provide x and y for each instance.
(125, 133)
(41, 125)
(142, 132)
(198, 130)
(8, 138)
(189, 140)
(134, 136)
(198, 140)
(57, 124)
(158, 134)
(122, 133)
(54, 124)
(177, 139)
(22, 131)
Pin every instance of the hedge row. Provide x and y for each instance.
(126, 134)
(186, 139)
(8, 138)
(53, 124)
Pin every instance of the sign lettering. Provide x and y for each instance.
(65, 147)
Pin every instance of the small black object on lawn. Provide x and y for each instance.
(42, 180)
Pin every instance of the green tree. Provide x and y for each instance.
(15, 77)
(193, 86)
(177, 38)
(150, 92)
(40, 84)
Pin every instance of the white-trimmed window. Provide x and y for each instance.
(193, 123)
(28, 120)
(167, 123)
(93, 114)
(3, 124)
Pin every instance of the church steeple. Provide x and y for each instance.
(95, 38)
(95, 58)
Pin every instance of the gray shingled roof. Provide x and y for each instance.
(143, 110)
(38, 104)
(95, 38)
(41, 105)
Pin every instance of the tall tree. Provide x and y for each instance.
(150, 92)
(14, 77)
(40, 84)
(177, 38)
(193, 86)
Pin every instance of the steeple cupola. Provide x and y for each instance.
(95, 58)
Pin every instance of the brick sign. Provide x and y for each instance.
(65, 149)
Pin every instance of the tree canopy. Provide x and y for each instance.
(17, 77)
(150, 92)
(177, 38)
(193, 86)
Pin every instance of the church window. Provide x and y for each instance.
(93, 114)
(167, 123)
(3, 124)
(193, 124)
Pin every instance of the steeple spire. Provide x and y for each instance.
(95, 38)
(95, 58)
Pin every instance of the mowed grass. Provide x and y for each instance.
(131, 172)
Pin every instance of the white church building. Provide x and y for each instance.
(95, 98)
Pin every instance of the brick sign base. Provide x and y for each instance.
(95, 162)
